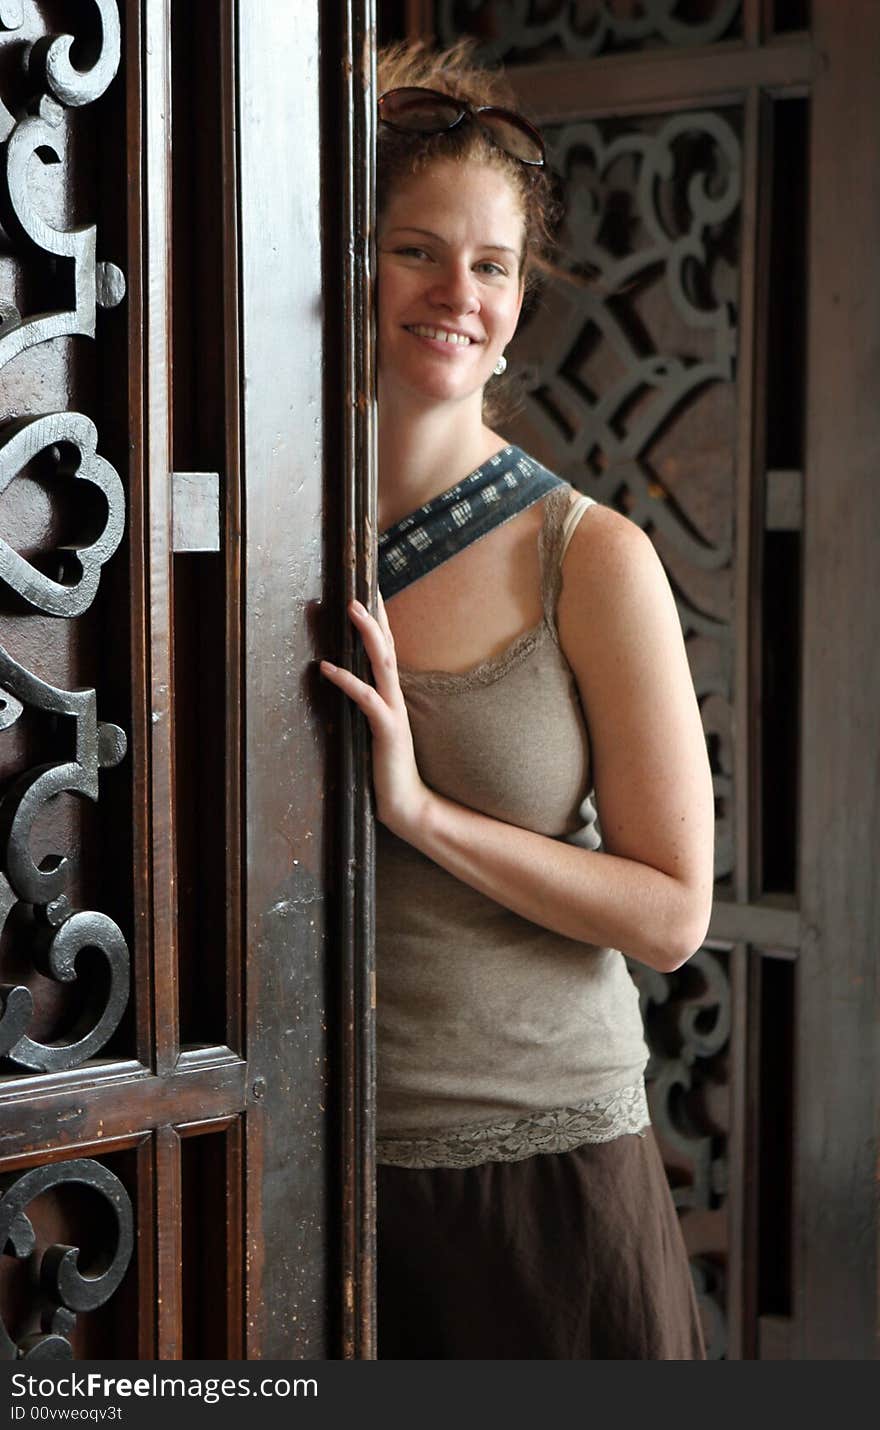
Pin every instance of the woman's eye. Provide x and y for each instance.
(491, 268)
(412, 252)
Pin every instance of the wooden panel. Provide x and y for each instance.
(227, 355)
(232, 523)
(291, 1000)
(207, 586)
(65, 1111)
(157, 435)
(768, 923)
(837, 1088)
(169, 1280)
(211, 1219)
(653, 84)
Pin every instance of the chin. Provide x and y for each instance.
(436, 394)
(436, 386)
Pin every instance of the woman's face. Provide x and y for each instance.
(450, 284)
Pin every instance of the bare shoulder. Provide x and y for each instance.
(611, 574)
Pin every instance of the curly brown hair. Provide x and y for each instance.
(455, 72)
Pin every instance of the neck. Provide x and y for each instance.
(425, 450)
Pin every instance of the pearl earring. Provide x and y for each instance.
(500, 366)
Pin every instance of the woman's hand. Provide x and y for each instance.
(401, 795)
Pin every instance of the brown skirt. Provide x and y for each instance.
(563, 1256)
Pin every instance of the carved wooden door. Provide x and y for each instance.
(709, 364)
(184, 834)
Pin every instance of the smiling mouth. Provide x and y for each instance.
(441, 335)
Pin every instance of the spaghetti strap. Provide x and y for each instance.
(563, 509)
(572, 517)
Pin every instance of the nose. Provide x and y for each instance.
(456, 289)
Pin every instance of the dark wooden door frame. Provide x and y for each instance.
(308, 471)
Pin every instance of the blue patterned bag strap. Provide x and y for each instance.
(500, 489)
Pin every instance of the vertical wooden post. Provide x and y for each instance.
(835, 1173)
(308, 527)
(357, 854)
(157, 87)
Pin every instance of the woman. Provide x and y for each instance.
(529, 656)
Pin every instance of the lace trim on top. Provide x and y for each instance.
(602, 1119)
(485, 673)
(556, 504)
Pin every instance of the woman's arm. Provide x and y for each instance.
(620, 631)
(649, 892)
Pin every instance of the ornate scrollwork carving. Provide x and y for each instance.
(508, 27)
(18, 1005)
(57, 959)
(65, 1290)
(687, 1027)
(62, 933)
(695, 1029)
(11, 18)
(18, 445)
(678, 250)
(38, 134)
(50, 65)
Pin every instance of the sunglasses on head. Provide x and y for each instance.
(427, 111)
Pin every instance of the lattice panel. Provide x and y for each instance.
(63, 519)
(687, 1024)
(513, 30)
(626, 370)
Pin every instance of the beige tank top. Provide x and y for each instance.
(498, 1038)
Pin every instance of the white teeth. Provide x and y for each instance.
(440, 335)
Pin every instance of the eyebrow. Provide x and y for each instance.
(428, 233)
